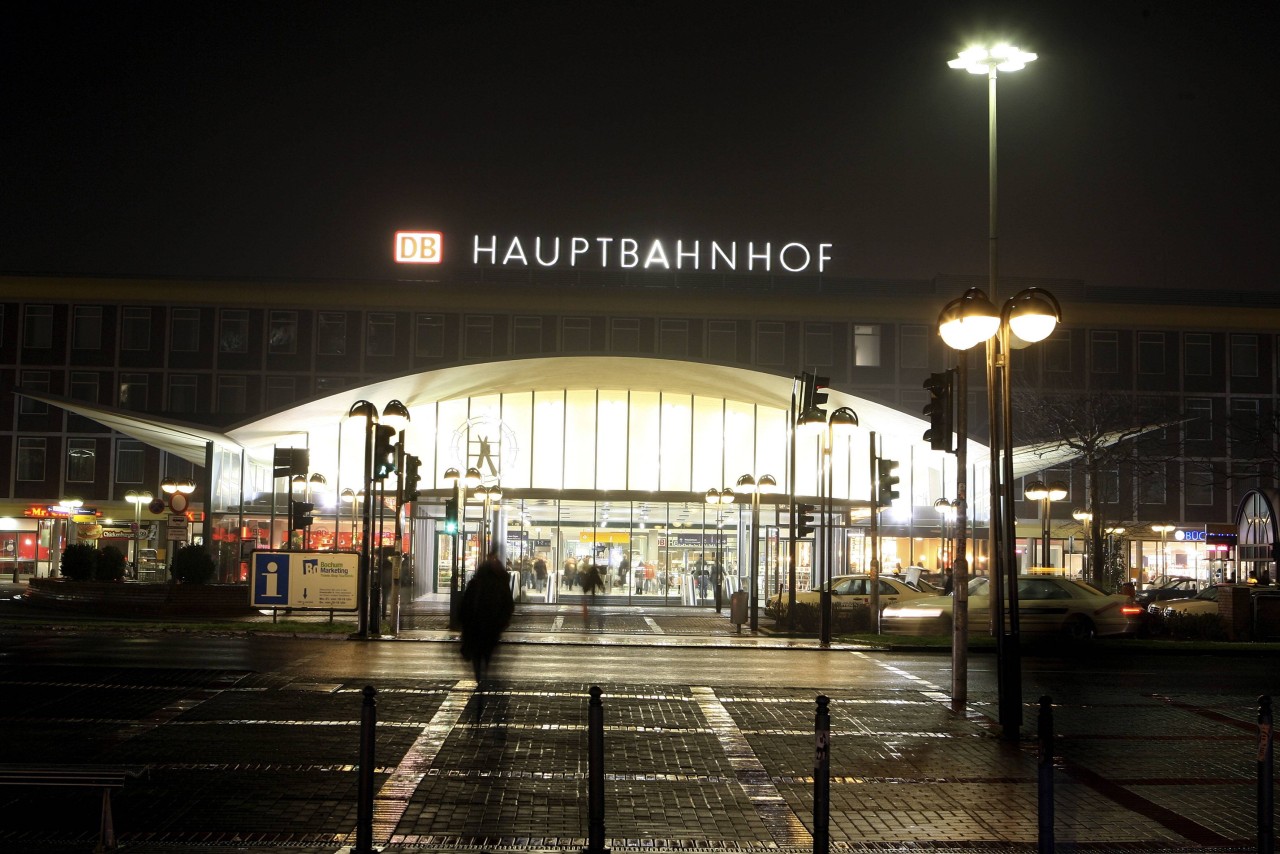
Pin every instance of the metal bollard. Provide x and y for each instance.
(364, 782)
(1266, 792)
(821, 777)
(595, 774)
(1045, 775)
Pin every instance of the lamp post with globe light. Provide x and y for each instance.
(718, 498)
(1045, 494)
(841, 422)
(1163, 531)
(137, 499)
(1085, 518)
(764, 485)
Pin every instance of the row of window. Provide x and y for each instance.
(332, 339)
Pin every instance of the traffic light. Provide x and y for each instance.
(887, 493)
(300, 514)
(813, 392)
(384, 452)
(806, 520)
(939, 410)
(451, 516)
(411, 477)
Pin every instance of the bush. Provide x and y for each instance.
(79, 562)
(1208, 627)
(110, 566)
(192, 565)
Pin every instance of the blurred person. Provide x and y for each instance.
(591, 582)
(486, 611)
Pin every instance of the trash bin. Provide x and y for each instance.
(738, 608)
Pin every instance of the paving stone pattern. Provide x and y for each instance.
(261, 762)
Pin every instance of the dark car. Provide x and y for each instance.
(1174, 587)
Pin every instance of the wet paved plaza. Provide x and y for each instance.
(244, 761)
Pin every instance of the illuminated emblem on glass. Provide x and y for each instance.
(485, 443)
(419, 247)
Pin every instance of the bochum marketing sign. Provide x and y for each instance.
(614, 253)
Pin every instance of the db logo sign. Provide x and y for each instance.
(418, 247)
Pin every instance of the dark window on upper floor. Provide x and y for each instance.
(381, 327)
(281, 391)
(38, 382)
(575, 334)
(1057, 352)
(722, 340)
(428, 336)
(1150, 352)
(478, 336)
(184, 330)
(82, 457)
(913, 346)
(331, 333)
(625, 335)
(819, 347)
(1198, 426)
(1197, 488)
(86, 327)
(84, 386)
(1244, 355)
(771, 343)
(1197, 354)
(233, 392)
(526, 335)
(130, 459)
(31, 453)
(133, 392)
(183, 393)
(1109, 486)
(282, 336)
(135, 328)
(1104, 351)
(233, 336)
(37, 327)
(673, 337)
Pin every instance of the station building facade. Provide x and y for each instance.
(624, 395)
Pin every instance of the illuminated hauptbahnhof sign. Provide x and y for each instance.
(620, 253)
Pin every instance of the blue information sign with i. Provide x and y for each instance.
(271, 579)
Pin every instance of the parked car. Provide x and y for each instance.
(848, 590)
(1204, 602)
(1174, 587)
(1047, 606)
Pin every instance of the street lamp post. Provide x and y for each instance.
(947, 511)
(1028, 316)
(1085, 518)
(137, 499)
(1045, 494)
(1112, 532)
(841, 422)
(766, 485)
(718, 498)
(1163, 531)
(487, 495)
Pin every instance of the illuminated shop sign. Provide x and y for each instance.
(1189, 536)
(620, 253)
(58, 511)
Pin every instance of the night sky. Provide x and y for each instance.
(291, 139)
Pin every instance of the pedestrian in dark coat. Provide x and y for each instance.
(486, 611)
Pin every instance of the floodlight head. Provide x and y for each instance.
(726, 496)
(980, 59)
(363, 409)
(395, 414)
(1033, 314)
(1081, 515)
(1057, 491)
(168, 486)
(766, 485)
(472, 478)
(1036, 490)
(968, 320)
(451, 476)
(811, 422)
(713, 496)
(747, 484)
(842, 421)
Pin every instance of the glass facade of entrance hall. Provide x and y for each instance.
(611, 477)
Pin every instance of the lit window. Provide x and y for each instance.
(866, 346)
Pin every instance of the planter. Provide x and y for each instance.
(133, 599)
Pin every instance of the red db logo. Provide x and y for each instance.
(418, 247)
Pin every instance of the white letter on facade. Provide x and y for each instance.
(730, 261)
(575, 251)
(537, 252)
(515, 250)
(628, 256)
(782, 258)
(657, 255)
(492, 249)
(823, 257)
(681, 255)
(604, 250)
(752, 256)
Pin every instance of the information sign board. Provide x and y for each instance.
(177, 529)
(317, 581)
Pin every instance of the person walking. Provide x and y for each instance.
(486, 611)
(591, 582)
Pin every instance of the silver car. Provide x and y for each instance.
(1048, 605)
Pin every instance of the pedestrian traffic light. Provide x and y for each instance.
(451, 516)
(411, 477)
(939, 408)
(806, 520)
(887, 493)
(813, 392)
(384, 452)
(300, 514)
